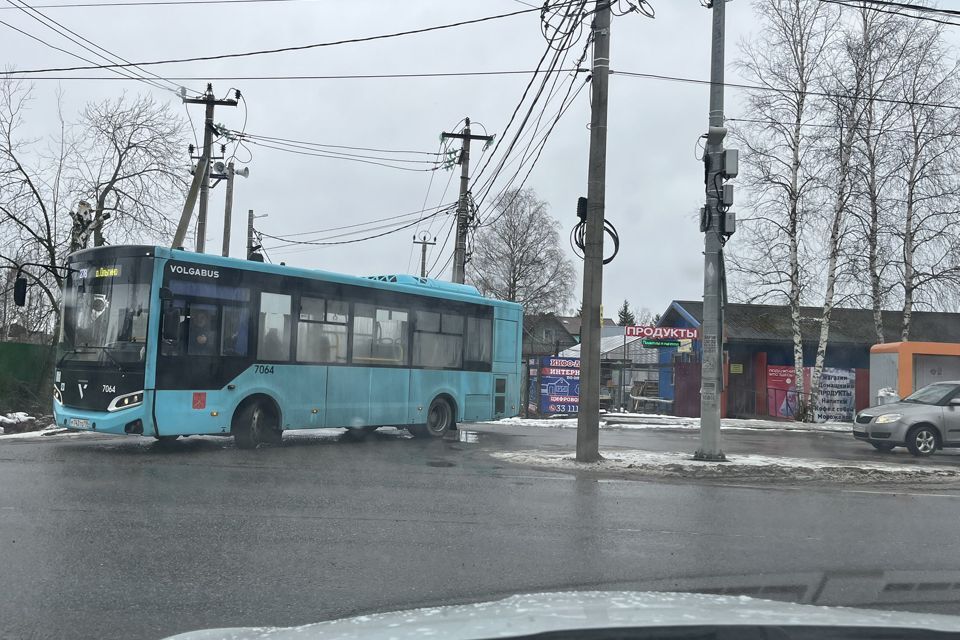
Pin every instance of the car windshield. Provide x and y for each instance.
(105, 312)
(931, 394)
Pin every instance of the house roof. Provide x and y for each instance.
(572, 323)
(772, 323)
(611, 347)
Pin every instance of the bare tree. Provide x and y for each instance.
(788, 57)
(930, 188)
(882, 54)
(844, 86)
(518, 256)
(132, 167)
(122, 156)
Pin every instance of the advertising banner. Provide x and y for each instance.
(837, 395)
(559, 385)
(836, 400)
(782, 398)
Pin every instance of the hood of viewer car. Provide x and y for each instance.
(522, 615)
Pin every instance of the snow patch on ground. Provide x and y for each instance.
(52, 430)
(640, 421)
(674, 464)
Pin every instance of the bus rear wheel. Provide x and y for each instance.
(255, 424)
(440, 419)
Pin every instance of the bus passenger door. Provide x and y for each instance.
(348, 397)
(389, 393)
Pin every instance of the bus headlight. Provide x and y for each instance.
(126, 401)
(57, 396)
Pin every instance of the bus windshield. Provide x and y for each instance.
(105, 312)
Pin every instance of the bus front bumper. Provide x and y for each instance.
(133, 421)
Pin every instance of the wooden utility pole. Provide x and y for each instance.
(424, 242)
(588, 419)
(463, 205)
(228, 211)
(210, 101)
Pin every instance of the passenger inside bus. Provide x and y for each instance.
(203, 338)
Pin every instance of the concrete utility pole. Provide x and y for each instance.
(588, 420)
(717, 223)
(463, 205)
(210, 101)
(424, 242)
(228, 211)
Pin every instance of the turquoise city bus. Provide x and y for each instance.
(167, 343)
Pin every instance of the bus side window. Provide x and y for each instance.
(169, 348)
(273, 340)
(479, 344)
(202, 330)
(235, 331)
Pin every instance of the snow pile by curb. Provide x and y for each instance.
(682, 465)
(16, 422)
(641, 421)
(52, 430)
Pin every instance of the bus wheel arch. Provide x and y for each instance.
(441, 417)
(256, 421)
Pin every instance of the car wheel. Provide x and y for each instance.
(440, 419)
(886, 447)
(923, 440)
(255, 424)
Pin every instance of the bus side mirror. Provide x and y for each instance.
(20, 291)
(171, 324)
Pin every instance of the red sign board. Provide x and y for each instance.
(199, 400)
(663, 333)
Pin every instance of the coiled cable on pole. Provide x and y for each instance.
(578, 236)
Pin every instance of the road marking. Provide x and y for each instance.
(902, 493)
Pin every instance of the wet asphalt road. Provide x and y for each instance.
(108, 537)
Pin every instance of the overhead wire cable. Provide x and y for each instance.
(93, 47)
(336, 157)
(315, 45)
(284, 78)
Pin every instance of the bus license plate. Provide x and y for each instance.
(79, 423)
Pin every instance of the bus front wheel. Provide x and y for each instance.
(256, 424)
(440, 419)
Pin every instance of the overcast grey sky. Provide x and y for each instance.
(654, 182)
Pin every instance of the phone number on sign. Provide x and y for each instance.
(564, 408)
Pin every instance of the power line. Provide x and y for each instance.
(902, 5)
(333, 153)
(438, 208)
(333, 146)
(123, 75)
(894, 12)
(754, 87)
(110, 57)
(355, 240)
(354, 76)
(316, 154)
(148, 3)
(446, 240)
(541, 145)
(259, 52)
